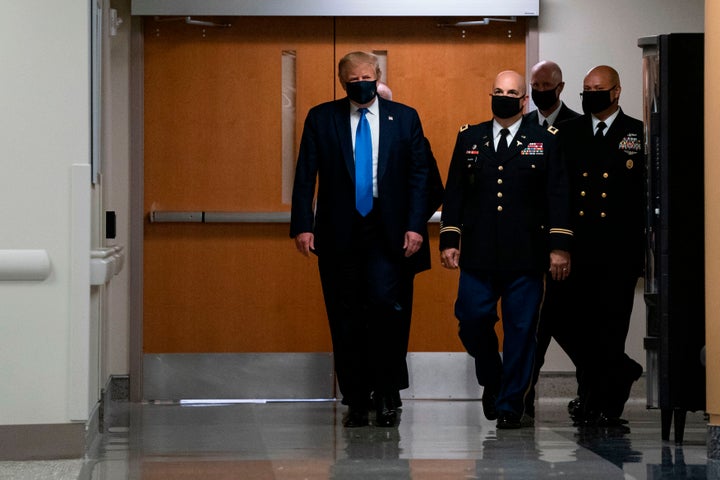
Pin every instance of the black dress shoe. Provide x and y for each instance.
(385, 413)
(507, 421)
(488, 403)
(576, 409)
(356, 417)
(610, 421)
(396, 401)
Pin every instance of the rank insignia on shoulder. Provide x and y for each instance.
(552, 129)
(464, 127)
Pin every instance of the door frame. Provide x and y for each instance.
(137, 220)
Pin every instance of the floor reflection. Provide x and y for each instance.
(435, 440)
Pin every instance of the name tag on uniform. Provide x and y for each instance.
(532, 149)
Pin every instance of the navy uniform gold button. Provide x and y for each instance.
(582, 194)
(500, 181)
(500, 195)
(500, 168)
(603, 215)
(585, 174)
(581, 213)
(604, 195)
(605, 175)
(499, 208)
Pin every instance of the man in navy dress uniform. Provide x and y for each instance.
(603, 150)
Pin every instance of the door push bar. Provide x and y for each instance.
(231, 217)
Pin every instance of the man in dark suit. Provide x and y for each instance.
(504, 224)
(603, 150)
(436, 191)
(546, 84)
(368, 229)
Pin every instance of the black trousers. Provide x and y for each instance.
(599, 302)
(556, 321)
(368, 298)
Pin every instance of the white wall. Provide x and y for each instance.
(44, 130)
(580, 34)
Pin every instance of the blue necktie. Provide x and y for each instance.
(363, 166)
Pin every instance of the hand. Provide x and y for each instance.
(413, 242)
(305, 242)
(559, 264)
(449, 258)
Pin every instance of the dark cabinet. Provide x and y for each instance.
(675, 274)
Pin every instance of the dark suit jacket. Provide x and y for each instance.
(607, 191)
(326, 154)
(506, 215)
(566, 113)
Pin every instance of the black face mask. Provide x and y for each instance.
(544, 100)
(361, 92)
(506, 107)
(595, 101)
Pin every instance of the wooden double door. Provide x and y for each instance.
(223, 112)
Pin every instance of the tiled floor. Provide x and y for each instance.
(435, 440)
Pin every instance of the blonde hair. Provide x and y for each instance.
(358, 58)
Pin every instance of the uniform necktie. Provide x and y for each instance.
(599, 132)
(363, 165)
(502, 147)
(545, 123)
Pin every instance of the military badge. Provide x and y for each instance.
(535, 148)
(629, 164)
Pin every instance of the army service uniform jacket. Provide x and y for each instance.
(506, 214)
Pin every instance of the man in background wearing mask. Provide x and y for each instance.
(603, 150)
(546, 83)
(504, 224)
(368, 228)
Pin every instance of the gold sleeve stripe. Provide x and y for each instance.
(450, 229)
(562, 231)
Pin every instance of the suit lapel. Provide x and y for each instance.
(486, 145)
(341, 118)
(616, 130)
(388, 131)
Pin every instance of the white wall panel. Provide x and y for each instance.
(44, 129)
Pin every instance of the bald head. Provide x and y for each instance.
(545, 75)
(601, 77)
(384, 91)
(509, 82)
